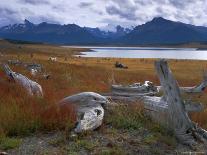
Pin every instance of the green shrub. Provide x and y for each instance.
(128, 117)
(7, 143)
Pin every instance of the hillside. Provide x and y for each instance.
(158, 31)
(162, 31)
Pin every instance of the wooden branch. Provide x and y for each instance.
(193, 107)
(195, 89)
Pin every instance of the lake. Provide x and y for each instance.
(145, 52)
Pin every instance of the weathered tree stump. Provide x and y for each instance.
(89, 109)
(185, 130)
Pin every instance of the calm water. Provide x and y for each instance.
(145, 52)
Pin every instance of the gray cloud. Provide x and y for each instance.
(122, 8)
(35, 1)
(85, 4)
(6, 11)
(128, 14)
(100, 13)
(181, 4)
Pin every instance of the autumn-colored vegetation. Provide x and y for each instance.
(21, 114)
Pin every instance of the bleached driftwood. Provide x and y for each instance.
(136, 89)
(90, 120)
(185, 130)
(33, 88)
(90, 109)
(148, 88)
(153, 103)
(170, 110)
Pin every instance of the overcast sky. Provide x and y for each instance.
(98, 13)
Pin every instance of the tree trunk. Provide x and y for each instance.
(185, 130)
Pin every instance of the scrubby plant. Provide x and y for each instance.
(130, 117)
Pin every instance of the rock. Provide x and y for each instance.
(53, 59)
(120, 65)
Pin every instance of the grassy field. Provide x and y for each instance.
(22, 115)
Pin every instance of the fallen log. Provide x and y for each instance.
(170, 110)
(89, 108)
(33, 88)
(136, 89)
(148, 89)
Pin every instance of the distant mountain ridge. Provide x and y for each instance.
(157, 31)
(162, 31)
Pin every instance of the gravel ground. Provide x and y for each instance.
(107, 141)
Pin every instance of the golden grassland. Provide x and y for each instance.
(21, 114)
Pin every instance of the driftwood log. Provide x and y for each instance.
(33, 88)
(149, 89)
(136, 89)
(185, 130)
(170, 110)
(89, 108)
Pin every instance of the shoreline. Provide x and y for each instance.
(87, 51)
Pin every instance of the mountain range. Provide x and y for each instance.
(157, 31)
